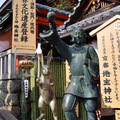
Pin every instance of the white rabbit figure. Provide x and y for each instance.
(46, 87)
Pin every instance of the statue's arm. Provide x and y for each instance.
(93, 55)
(63, 49)
(54, 39)
(93, 62)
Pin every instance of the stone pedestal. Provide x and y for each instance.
(10, 96)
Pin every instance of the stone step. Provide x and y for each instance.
(5, 114)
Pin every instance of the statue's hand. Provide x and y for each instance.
(52, 83)
(51, 17)
(85, 61)
(37, 79)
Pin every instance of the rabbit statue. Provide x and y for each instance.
(46, 87)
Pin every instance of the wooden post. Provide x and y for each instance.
(34, 93)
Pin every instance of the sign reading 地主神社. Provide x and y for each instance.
(108, 38)
(24, 26)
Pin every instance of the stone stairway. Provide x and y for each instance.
(5, 114)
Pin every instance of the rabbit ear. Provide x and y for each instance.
(49, 57)
(42, 60)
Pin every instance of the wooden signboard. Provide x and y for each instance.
(108, 38)
(24, 26)
(117, 114)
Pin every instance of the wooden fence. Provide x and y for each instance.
(59, 75)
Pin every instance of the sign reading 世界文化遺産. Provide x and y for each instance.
(24, 26)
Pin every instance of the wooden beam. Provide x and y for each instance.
(114, 1)
(59, 16)
(44, 21)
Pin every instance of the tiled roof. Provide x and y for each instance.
(91, 22)
(7, 14)
(52, 9)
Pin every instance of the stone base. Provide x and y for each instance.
(5, 114)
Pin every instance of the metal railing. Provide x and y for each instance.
(7, 65)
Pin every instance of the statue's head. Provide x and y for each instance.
(78, 36)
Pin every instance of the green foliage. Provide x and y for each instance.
(65, 5)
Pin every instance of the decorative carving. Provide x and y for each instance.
(97, 4)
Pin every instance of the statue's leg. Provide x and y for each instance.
(53, 106)
(41, 105)
(69, 105)
(90, 105)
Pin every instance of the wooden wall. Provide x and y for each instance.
(5, 40)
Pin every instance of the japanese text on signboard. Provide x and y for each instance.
(109, 56)
(24, 25)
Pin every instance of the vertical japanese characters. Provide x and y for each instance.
(109, 46)
(24, 23)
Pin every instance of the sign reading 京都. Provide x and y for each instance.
(108, 37)
(24, 26)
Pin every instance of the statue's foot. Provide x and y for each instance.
(38, 119)
(41, 117)
(55, 118)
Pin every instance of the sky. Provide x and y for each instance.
(1, 2)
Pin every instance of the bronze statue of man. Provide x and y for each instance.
(83, 62)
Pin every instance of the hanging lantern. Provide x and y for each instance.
(26, 64)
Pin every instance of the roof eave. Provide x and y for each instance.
(78, 12)
(40, 6)
(91, 22)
